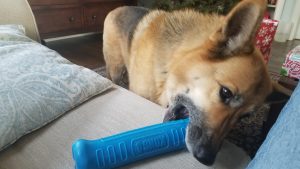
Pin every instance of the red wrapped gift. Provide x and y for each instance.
(291, 66)
(265, 36)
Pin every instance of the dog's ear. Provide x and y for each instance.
(240, 25)
(279, 94)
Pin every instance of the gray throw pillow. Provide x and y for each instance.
(37, 85)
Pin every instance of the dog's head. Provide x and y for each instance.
(219, 82)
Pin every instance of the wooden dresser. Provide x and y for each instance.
(66, 17)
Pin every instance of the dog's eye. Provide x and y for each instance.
(225, 94)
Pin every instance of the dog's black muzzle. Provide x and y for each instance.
(197, 138)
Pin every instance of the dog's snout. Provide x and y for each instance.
(200, 144)
(204, 156)
(194, 132)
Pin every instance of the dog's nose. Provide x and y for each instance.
(205, 157)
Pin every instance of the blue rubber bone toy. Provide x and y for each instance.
(127, 147)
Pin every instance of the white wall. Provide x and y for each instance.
(291, 13)
(288, 9)
(298, 32)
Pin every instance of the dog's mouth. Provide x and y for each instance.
(197, 140)
(176, 113)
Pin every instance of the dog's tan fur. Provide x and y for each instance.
(186, 52)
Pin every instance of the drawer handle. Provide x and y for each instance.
(72, 19)
(94, 16)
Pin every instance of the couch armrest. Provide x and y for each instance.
(19, 12)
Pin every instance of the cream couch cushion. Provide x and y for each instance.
(112, 112)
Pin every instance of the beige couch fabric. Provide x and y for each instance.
(19, 12)
(115, 111)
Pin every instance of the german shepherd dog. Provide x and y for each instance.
(204, 66)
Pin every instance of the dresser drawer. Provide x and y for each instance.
(52, 2)
(94, 15)
(66, 17)
(128, 2)
(58, 19)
